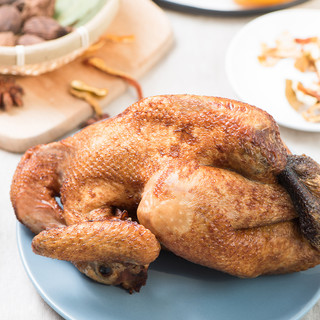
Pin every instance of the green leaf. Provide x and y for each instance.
(76, 12)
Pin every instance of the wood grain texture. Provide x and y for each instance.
(50, 111)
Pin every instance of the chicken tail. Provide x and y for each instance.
(35, 185)
(301, 178)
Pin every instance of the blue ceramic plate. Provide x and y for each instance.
(176, 289)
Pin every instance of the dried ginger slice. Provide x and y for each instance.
(82, 86)
(127, 38)
(103, 40)
(86, 96)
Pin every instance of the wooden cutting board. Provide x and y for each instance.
(49, 111)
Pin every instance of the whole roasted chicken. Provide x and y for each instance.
(207, 178)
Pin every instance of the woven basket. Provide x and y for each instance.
(50, 55)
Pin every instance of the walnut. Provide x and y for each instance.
(10, 19)
(44, 27)
(29, 39)
(7, 38)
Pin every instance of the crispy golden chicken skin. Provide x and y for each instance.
(198, 175)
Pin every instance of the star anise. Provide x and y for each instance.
(10, 93)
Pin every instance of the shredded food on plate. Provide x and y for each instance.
(305, 53)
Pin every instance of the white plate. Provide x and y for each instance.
(262, 86)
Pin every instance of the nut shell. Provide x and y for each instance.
(44, 27)
(32, 8)
(7, 38)
(10, 19)
(2, 2)
(29, 39)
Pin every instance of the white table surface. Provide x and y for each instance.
(194, 65)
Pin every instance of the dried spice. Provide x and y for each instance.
(87, 92)
(94, 47)
(100, 65)
(82, 86)
(83, 91)
(10, 93)
(110, 38)
(306, 55)
(128, 38)
(86, 96)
